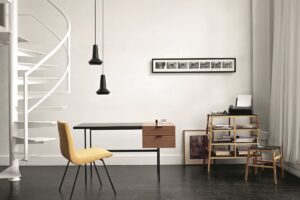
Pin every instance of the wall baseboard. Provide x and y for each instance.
(292, 169)
(117, 159)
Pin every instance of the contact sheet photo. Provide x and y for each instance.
(193, 65)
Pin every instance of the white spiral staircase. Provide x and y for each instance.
(23, 99)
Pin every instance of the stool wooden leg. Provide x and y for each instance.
(209, 155)
(274, 168)
(281, 164)
(247, 167)
(255, 163)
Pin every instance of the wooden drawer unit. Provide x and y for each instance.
(158, 137)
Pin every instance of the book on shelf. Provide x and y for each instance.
(243, 152)
(216, 140)
(222, 126)
(245, 126)
(221, 152)
(228, 136)
(245, 139)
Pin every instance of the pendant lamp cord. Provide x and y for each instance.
(95, 22)
(103, 36)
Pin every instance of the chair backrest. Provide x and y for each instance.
(67, 148)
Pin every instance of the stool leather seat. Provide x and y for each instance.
(264, 147)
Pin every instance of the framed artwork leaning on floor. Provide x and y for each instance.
(195, 143)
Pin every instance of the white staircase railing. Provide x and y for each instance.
(62, 41)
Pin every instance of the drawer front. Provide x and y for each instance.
(153, 130)
(151, 141)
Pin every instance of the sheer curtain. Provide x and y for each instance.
(285, 86)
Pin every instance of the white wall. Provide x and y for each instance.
(137, 31)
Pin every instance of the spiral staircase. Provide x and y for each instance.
(22, 98)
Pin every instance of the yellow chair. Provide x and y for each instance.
(79, 157)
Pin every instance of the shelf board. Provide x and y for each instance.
(215, 130)
(231, 116)
(222, 143)
(228, 157)
(238, 129)
(245, 143)
(233, 143)
(247, 129)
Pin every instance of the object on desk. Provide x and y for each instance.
(156, 122)
(195, 144)
(244, 100)
(234, 110)
(162, 122)
(243, 106)
(219, 112)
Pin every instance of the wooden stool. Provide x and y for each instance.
(255, 152)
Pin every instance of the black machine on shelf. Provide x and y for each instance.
(241, 109)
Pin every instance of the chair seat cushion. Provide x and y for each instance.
(84, 156)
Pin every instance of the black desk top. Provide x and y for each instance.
(109, 126)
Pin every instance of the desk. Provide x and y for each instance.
(154, 137)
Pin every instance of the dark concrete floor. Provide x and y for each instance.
(140, 183)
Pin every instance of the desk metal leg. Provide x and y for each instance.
(85, 172)
(91, 166)
(158, 164)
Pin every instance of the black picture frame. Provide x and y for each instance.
(193, 65)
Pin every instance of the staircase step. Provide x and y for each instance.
(28, 66)
(33, 140)
(36, 80)
(29, 53)
(37, 94)
(4, 38)
(36, 124)
(20, 109)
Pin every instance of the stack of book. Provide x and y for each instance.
(221, 152)
(245, 139)
(225, 126)
(246, 126)
(221, 140)
(224, 138)
(242, 152)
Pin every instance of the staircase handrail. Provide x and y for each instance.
(62, 40)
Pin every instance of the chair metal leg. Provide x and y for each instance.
(75, 182)
(109, 177)
(63, 178)
(97, 173)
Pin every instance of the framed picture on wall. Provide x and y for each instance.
(195, 143)
(193, 65)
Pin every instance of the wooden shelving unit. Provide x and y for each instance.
(234, 130)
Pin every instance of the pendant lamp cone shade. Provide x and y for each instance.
(102, 90)
(95, 59)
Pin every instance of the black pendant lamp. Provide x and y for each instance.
(95, 57)
(102, 90)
